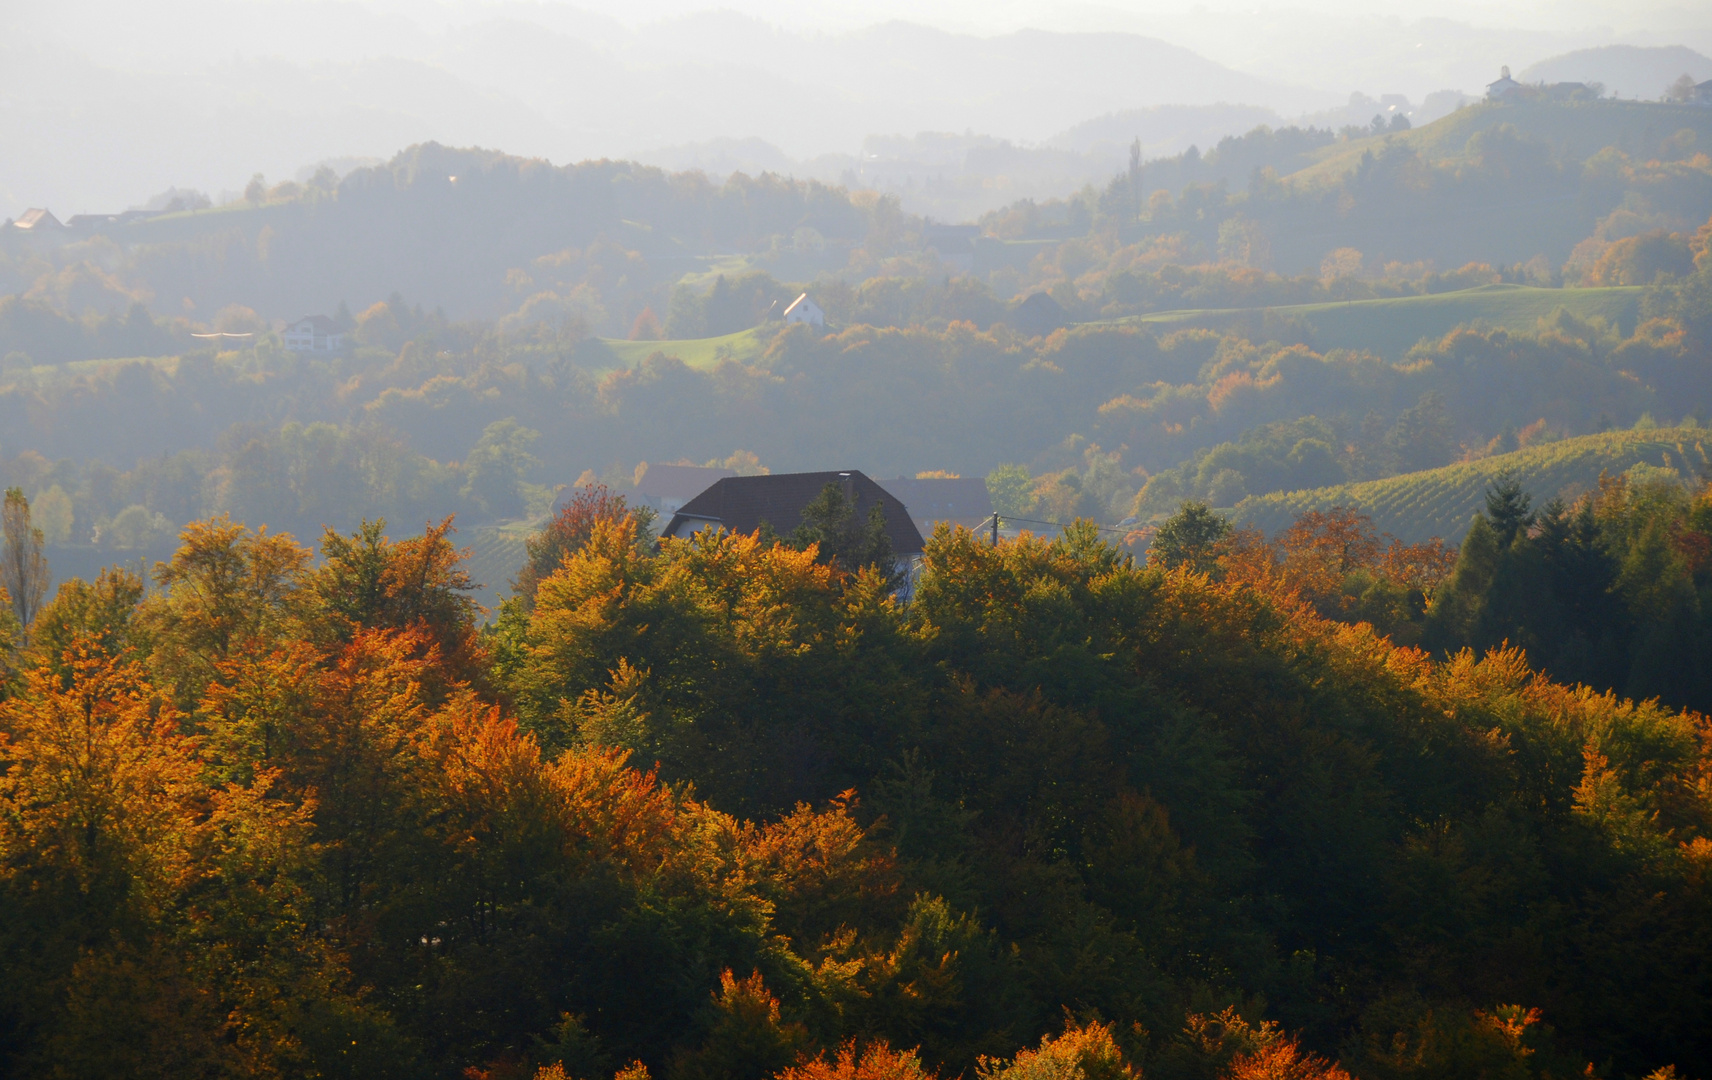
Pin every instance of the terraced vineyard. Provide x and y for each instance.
(496, 554)
(1441, 502)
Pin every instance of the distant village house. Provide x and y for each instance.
(666, 488)
(954, 244)
(313, 334)
(1503, 87)
(38, 221)
(1508, 89)
(949, 500)
(804, 310)
(1038, 315)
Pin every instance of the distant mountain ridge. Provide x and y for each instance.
(573, 94)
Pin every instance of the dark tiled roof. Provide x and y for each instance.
(678, 481)
(742, 503)
(964, 501)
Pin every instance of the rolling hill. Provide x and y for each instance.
(1390, 327)
(1441, 502)
(1575, 130)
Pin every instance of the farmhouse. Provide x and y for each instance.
(38, 221)
(665, 488)
(96, 222)
(313, 334)
(1503, 87)
(804, 310)
(1038, 315)
(931, 500)
(1701, 94)
(741, 504)
(954, 244)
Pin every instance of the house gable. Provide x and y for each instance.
(741, 504)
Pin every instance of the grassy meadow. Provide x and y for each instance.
(703, 354)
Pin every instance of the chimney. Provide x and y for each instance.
(848, 484)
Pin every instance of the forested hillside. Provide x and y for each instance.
(1060, 812)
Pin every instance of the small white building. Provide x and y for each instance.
(804, 310)
(313, 334)
(1503, 87)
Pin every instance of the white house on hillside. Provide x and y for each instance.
(1503, 87)
(804, 310)
(313, 334)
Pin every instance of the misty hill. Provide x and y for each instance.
(952, 176)
(1572, 130)
(1545, 184)
(947, 176)
(1162, 129)
(445, 226)
(1630, 70)
(569, 91)
(1441, 502)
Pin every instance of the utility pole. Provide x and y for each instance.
(995, 528)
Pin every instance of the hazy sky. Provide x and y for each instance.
(103, 102)
(128, 33)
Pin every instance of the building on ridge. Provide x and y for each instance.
(38, 220)
(1503, 86)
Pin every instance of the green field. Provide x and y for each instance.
(1390, 327)
(167, 365)
(745, 347)
(1578, 130)
(1441, 502)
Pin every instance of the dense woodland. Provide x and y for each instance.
(1158, 794)
(725, 809)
